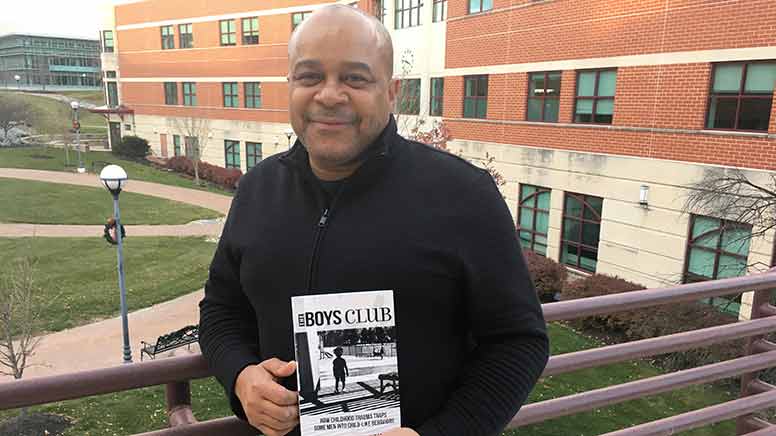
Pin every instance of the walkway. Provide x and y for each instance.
(196, 197)
(100, 344)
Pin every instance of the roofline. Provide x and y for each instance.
(44, 35)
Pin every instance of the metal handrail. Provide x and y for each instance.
(176, 372)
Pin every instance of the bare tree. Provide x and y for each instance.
(13, 111)
(731, 194)
(196, 132)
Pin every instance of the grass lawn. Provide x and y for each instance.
(52, 117)
(143, 410)
(81, 273)
(51, 203)
(53, 159)
(94, 97)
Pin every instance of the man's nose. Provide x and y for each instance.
(331, 94)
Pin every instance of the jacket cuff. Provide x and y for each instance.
(429, 428)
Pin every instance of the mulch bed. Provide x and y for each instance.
(36, 424)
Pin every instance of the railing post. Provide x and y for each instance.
(179, 403)
(760, 301)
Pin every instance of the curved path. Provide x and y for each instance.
(209, 200)
(99, 344)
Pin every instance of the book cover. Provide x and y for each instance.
(347, 366)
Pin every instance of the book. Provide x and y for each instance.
(347, 363)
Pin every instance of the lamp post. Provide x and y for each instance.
(83, 79)
(115, 178)
(17, 78)
(77, 126)
(289, 133)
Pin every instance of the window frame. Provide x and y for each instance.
(191, 96)
(304, 15)
(404, 85)
(475, 97)
(415, 6)
(251, 32)
(176, 145)
(257, 156)
(438, 99)
(534, 208)
(170, 98)
(229, 151)
(739, 97)
(230, 96)
(105, 47)
(439, 4)
(188, 42)
(595, 96)
(544, 97)
(250, 96)
(168, 40)
(381, 10)
(582, 198)
(230, 34)
(108, 87)
(469, 10)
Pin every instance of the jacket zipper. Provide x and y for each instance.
(316, 244)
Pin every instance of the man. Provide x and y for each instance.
(353, 206)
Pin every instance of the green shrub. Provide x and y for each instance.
(548, 276)
(132, 147)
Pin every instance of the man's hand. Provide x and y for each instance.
(401, 432)
(269, 406)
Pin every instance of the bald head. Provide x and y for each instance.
(338, 18)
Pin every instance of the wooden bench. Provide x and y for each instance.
(185, 336)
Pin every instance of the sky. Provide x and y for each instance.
(74, 18)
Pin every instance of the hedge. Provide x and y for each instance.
(227, 178)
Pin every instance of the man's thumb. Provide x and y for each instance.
(283, 370)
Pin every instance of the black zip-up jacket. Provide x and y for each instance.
(422, 222)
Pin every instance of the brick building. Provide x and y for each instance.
(599, 113)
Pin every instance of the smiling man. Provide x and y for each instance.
(353, 207)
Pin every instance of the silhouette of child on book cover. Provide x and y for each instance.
(340, 369)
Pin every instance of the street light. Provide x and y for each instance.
(83, 79)
(77, 126)
(115, 178)
(289, 133)
(17, 78)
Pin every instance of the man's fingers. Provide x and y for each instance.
(279, 395)
(273, 364)
(281, 371)
(279, 413)
(280, 426)
(269, 431)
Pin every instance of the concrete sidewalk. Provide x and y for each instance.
(213, 229)
(100, 344)
(196, 197)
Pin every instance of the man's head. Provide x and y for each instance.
(341, 90)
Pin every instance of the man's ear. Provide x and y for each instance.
(393, 92)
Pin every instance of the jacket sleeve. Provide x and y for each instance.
(228, 332)
(505, 319)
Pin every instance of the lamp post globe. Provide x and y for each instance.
(114, 178)
(289, 133)
(17, 78)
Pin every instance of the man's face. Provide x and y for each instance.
(340, 92)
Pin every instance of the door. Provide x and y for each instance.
(163, 142)
(115, 134)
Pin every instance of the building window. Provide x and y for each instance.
(128, 127)
(440, 10)
(189, 94)
(170, 93)
(534, 218)
(228, 32)
(250, 31)
(717, 249)
(232, 152)
(581, 230)
(408, 100)
(176, 144)
(113, 94)
(298, 17)
(476, 6)
(110, 74)
(381, 10)
(107, 41)
(543, 97)
(185, 36)
(408, 13)
(595, 96)
(741, 96)
(475, 100)
(437, 96)
(231, 98)
(168, 38)
(253, 95)
(192, 147)
(252, 154)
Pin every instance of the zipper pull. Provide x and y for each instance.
(324, 218)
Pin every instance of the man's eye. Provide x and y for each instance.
(355, 78)
(308, 78)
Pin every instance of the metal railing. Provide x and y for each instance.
(756, 395)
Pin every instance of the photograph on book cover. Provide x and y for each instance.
(348, 378)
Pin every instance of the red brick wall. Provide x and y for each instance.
(570, 29)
